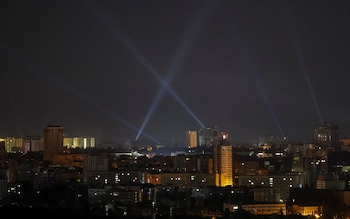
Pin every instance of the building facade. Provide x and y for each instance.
(326, 136)
(223, 168)
(53, 141)
(79, 142)
(208, 136)
(191, 139)
(33, 143)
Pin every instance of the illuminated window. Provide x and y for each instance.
(271, 182)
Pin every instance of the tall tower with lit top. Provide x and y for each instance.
(222, 156)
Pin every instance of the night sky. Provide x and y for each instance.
(105, 69)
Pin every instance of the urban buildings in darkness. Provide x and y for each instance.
(262, 178)
(53, 141)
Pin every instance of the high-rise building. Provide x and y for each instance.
(191, 139)
(208, 136)
(53, 141)
(223, 168)
(327, 136)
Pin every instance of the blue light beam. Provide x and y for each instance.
(187, 41)
(251, 68)
(302, 63)
(106, 20)
(64, 86)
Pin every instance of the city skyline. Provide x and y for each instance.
(150, 71)
(325, 135)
